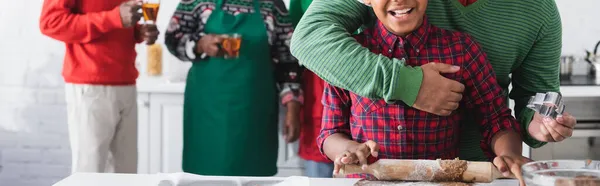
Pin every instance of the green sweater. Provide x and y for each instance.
(520, 37)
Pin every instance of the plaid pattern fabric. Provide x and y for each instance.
(403, 132)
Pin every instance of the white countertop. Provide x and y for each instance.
(159, 84)
(580, 91)
(105, 179)
(163, 85)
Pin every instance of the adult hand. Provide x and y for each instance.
(546, 129)
(356, 154)
(130, 12)
(209, 44)
(438, 94)
(149, 32)
(291, 130)
(510, 165)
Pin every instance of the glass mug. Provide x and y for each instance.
(150, 10)
(231, 45)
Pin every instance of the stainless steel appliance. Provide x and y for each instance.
(593, 58)
(585, 142)
(566, 66)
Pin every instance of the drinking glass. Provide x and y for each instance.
(150, 10)
(231, 45)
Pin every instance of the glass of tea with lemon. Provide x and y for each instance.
(150, 10)
(231, 46)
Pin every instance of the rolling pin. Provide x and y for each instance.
(427, 170)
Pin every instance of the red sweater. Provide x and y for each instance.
(98, 49)
(311, 117)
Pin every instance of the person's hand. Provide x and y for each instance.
(439, 95)
(209, 44)
(149, 32)
(546, 129)
(291, 130)
(129, 11)
(510, 165)
(356, 154)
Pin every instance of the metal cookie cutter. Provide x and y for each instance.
(548, 104)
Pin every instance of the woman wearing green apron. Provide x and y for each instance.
(231, 104)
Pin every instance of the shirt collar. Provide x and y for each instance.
(417, 38)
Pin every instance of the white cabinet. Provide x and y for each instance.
(161, 136)
(160, 132)
(143, 133)
(166, 127)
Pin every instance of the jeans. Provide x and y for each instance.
(318, 169)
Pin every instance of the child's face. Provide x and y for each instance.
(399, 16)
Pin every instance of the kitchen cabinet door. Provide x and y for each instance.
(166, 132)
(143, 103)
(288, 161)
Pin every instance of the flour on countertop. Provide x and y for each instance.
(400, 183)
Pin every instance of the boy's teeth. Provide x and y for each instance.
(403, 11)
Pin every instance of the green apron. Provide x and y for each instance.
(231, 105)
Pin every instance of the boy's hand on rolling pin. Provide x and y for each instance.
(356, 153)
(209, 44)
(510, 164)
(149, 32)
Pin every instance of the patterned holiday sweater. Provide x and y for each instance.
(187, 27)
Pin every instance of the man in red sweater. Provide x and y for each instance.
(100, 75)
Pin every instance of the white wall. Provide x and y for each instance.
(34, 148)
(581, 27)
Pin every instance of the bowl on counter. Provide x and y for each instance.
(562, 173)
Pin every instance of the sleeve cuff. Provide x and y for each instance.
(324, 135)
(406, 84)
(289, 96)
(524, 119)
(291, 92)
(508, 124)
(114, 19)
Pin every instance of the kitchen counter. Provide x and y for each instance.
(105, 179)
(579, 80)
(577, 86)
(580, 86)
(147, 84)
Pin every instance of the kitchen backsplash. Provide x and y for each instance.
(33, 130)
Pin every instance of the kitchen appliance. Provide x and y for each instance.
(566, 66)
(562, 172)
(593, 58)
(426, 170)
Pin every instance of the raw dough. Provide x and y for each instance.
(451, 170)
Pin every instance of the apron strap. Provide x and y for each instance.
(256, 6)
(219, 5)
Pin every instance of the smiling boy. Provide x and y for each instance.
(355, 128)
